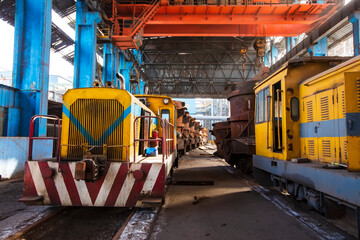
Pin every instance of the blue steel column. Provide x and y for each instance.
(116, 65)
(267, 59)
(31, 60)
(85, 45)
(274, 54)
(288, 44)
(124, 69)
(142, 83)
(321, 48)
(109, 63)
(355, 20)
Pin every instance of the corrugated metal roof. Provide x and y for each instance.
(339, 34)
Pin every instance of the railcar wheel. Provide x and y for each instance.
(244, 163)
(230, 158)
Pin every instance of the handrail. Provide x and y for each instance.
(58, 138)
(169, 150)
(267, 121)
(134, 27)
(164, 140)
(278, 118)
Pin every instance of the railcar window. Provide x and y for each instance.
(261, 98)
(295, 112)
(266, 103)
(259, 107)
(165, 114)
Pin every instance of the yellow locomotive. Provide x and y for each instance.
(116, 150)
(307, 132)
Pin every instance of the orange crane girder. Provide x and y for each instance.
(232, 20)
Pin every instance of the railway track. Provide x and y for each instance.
(78, 223)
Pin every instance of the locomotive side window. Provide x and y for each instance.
(261, 106)
(294, 104)
(266, 103)
(165, 114)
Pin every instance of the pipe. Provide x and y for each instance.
(96, 83)
(109, 84)
(120, 78)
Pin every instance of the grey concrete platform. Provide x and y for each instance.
(235, 207)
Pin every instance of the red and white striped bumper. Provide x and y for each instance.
(118, 188)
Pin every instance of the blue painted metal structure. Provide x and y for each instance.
(12, 161)
(355, 20)
(10, 105)
(290, 43)
(124, 69)
(31, 61)
(338, 183)
(85, 45)
(320, 49)
(109, 63)
(267, 59)
(274, 53)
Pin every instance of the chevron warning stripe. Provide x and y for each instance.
(117, 188)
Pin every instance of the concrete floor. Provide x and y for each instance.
(230, 209)
(235, 207)
(16, 216)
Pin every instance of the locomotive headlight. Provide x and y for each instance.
(166, 101)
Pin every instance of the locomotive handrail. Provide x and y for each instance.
(58, 138)
(169, 150)
(267, 121)
(164, 125)
(278, 91)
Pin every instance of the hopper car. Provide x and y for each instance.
(221, 131)
(181, 137)
(185, 133)
(307, 130)
(235, 138)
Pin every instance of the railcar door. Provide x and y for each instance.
(144, 131)
(319, 129)
(352, 120)
(277, 118)
(309, 129)
(341, 125)
(326, 125)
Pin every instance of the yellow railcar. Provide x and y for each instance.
(164, 107)
(111, 154)
(98, 117)
(307, 131)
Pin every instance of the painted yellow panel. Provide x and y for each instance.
(156, 105)
(352, 106)
(290, 75)
(98, 116)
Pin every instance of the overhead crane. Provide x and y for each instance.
(210, 18)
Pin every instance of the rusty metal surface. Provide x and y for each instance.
(242, 109)
(221, 130)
